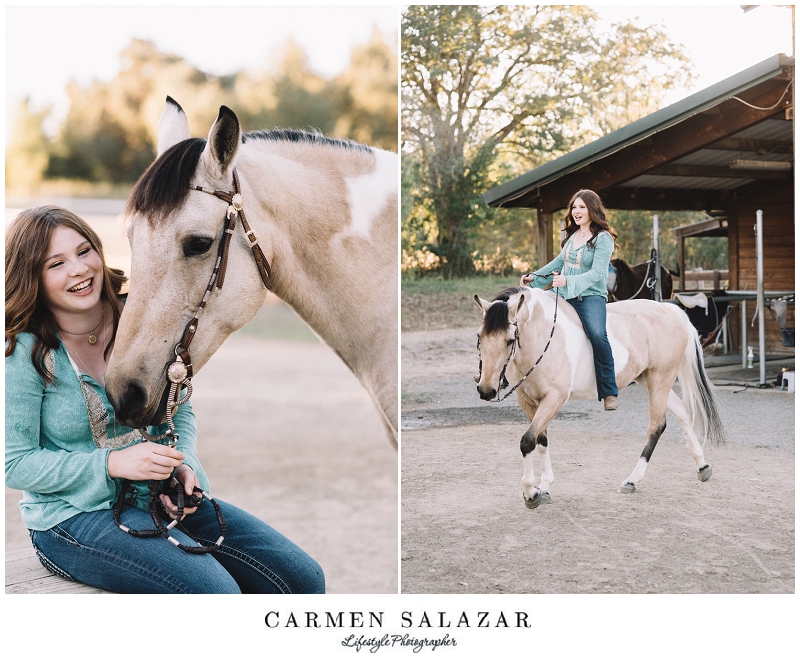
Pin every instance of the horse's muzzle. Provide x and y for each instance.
(487, 394)
(132, 409)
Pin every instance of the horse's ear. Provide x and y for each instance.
(173, 127)
(223, 142)
(514, 305)
(483, 304)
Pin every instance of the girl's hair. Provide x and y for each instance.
(597, 215)
(27, 244)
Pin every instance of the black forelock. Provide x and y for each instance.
(165, 184)
(496, 319)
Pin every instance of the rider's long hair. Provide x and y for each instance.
(27, 245)
(597, 215)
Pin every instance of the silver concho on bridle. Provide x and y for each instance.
(177, 374)
(236, 204)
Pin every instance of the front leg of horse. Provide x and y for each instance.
(532, 494)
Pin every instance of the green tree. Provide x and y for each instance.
(28, 149)
(635, 239)
(110, 132)
(514, 85)
(369, 91)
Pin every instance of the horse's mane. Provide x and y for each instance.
(497, 317)
(165, 183)
(295, 135)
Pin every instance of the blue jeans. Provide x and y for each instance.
(253, 558)
(592, 311)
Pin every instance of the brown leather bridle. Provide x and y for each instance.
(502, 381)
(179, 374)
(179, 371)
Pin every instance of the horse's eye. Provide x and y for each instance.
(510, 342)
(196, 245)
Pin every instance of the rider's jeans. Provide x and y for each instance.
(592, 311)
(253, 558)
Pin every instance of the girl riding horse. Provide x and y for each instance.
(582, 268)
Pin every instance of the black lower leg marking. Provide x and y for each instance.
(528, 442)
(653, 440)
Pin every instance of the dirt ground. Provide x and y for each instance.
(288, 433)
(465, 528)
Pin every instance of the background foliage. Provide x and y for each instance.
(489, 93)
(109, 133)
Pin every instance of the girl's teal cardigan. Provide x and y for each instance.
(585, 268)
(57, 450)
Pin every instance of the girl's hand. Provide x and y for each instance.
(186, 477)
(559, 281)
(145, 461)
(525, 280)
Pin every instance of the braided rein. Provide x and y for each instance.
(503, 382)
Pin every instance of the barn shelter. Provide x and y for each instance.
(727, 150)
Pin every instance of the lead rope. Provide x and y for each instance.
(650, 283)
(178, 376)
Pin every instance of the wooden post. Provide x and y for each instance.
(544, 238)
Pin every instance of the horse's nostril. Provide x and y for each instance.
(486, 395)
(132, 402)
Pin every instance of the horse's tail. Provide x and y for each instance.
(699, 395)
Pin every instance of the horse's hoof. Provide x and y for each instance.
(627, 488)
(535, 501)
(546, 497)
(704, 474)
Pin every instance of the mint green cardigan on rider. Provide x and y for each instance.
(57, 453)
(586, 268)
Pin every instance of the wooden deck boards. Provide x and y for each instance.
(25, 574)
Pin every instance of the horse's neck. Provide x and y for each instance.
(539, 313)
(331, 229)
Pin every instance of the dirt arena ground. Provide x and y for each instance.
(465, 528)
(286, 432)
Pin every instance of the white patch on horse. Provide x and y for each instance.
(584, 382)
(368, 194)
(620, 352)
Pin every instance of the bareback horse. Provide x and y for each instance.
(320, 231)
(652, 344)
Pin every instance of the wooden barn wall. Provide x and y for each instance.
(779, 231)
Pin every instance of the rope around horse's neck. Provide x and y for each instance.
(552, 331)
(644, 281)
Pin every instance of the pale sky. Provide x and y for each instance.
(720, 39)
(47, 46)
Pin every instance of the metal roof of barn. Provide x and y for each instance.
(678, 171)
